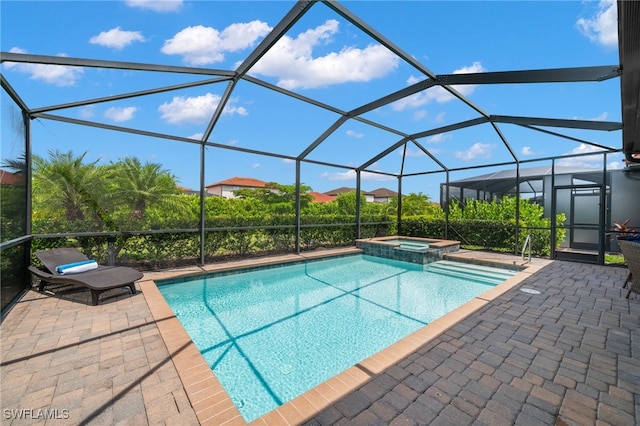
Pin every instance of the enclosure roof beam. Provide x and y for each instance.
(296, 12)
(345, 13)
(180, 139)
(96, 63)
(219, 109)
(450, 127)
(384, 153)
(426, 151)
(560, 135)
(129, 95)
(400, 94)
(339, 122)
(366, 28)
(321, 105)
(554, 75)
(533, 160)
(555, 122)
(295, 95)
(504, 141)
(13, 94)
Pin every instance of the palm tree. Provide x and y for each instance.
(140, 186)
(65, 183)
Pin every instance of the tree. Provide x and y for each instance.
(64, 183)
(278, 198)
(140, 186)
(420, 205)
(347, 202)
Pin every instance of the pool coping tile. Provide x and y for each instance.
(211, 403)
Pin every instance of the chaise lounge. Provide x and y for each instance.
(97, 280)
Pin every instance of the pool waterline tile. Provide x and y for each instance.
(212, 404)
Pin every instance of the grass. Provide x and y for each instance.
(613, 259)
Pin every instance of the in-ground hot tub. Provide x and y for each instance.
(408, 249)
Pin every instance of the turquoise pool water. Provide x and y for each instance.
(272, 334)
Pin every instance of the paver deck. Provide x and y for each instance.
(569, 355)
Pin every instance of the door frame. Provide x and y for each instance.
(600, 226)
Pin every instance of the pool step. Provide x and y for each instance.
(469, 270)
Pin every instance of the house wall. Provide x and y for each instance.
(214, 190)
(625, 199)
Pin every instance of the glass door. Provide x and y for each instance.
(582, 207)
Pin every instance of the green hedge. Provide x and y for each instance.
(497, 235)
(151, 251)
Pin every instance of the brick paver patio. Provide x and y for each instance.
(566, 356)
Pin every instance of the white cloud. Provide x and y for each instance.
(437, 93)
(354, 134)
(439, 118)
(256, 166)
(590, 161)
(414, 152)
(201, 45)
(292, 62)
(351, 175)
(120, 114)
(419, 115)
(615, 165)
(526, 150)
(59, 75)
(196, 136)
(87, 111)
(601, 117)
(602, 28)
(115, 38)
(440, 137)
(477, 150)
(288, 160)
(195, 110)
(161, 6)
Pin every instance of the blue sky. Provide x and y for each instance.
(322, 57)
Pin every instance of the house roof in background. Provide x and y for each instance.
(383, 192)
(240, 181)
(9, 178)
(187, 190)
(319, 197)
(341, 190)
(379, 192)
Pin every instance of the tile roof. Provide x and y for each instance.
(383, 192)
(240, 181)
(8, 178)
(321, 198)
(341, 190)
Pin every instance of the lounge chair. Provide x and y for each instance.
(631, 252)
(98, 280)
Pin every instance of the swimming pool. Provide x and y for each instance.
(270, 335)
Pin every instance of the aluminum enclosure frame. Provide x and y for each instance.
(629, 32)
